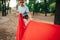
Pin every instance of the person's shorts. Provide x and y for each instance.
(25, 17)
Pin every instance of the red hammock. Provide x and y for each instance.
(37, 31)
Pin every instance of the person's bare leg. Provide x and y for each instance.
(26, 21)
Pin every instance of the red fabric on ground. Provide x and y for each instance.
(41, 31)
(20, 28)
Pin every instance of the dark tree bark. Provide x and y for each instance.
(3, 7)
(57, 13)
(45, 7)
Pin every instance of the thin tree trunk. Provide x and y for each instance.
(3, 7)
(45, 8)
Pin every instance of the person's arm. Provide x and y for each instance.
(28, 13)
(17, 11)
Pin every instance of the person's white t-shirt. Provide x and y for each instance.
(23, 9)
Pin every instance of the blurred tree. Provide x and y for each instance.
(37, 7)
(45, 7)
(32, 2)
(7, 7)
(0, 6)
(50, 2)
(3, 7)
(57, 13)
(30, 8)
(41, 5)
(52, 7)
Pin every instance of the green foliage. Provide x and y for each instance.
(36, 7)
(51, 1)
(41, 6)
(30, 7)
(52, 7)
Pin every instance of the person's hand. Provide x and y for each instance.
(31, 18)
(17, 14)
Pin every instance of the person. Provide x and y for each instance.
(24, 10)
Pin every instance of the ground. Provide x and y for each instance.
(8, 24)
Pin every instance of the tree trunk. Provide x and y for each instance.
(45, 8)
(57, 13)
(3, 7)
